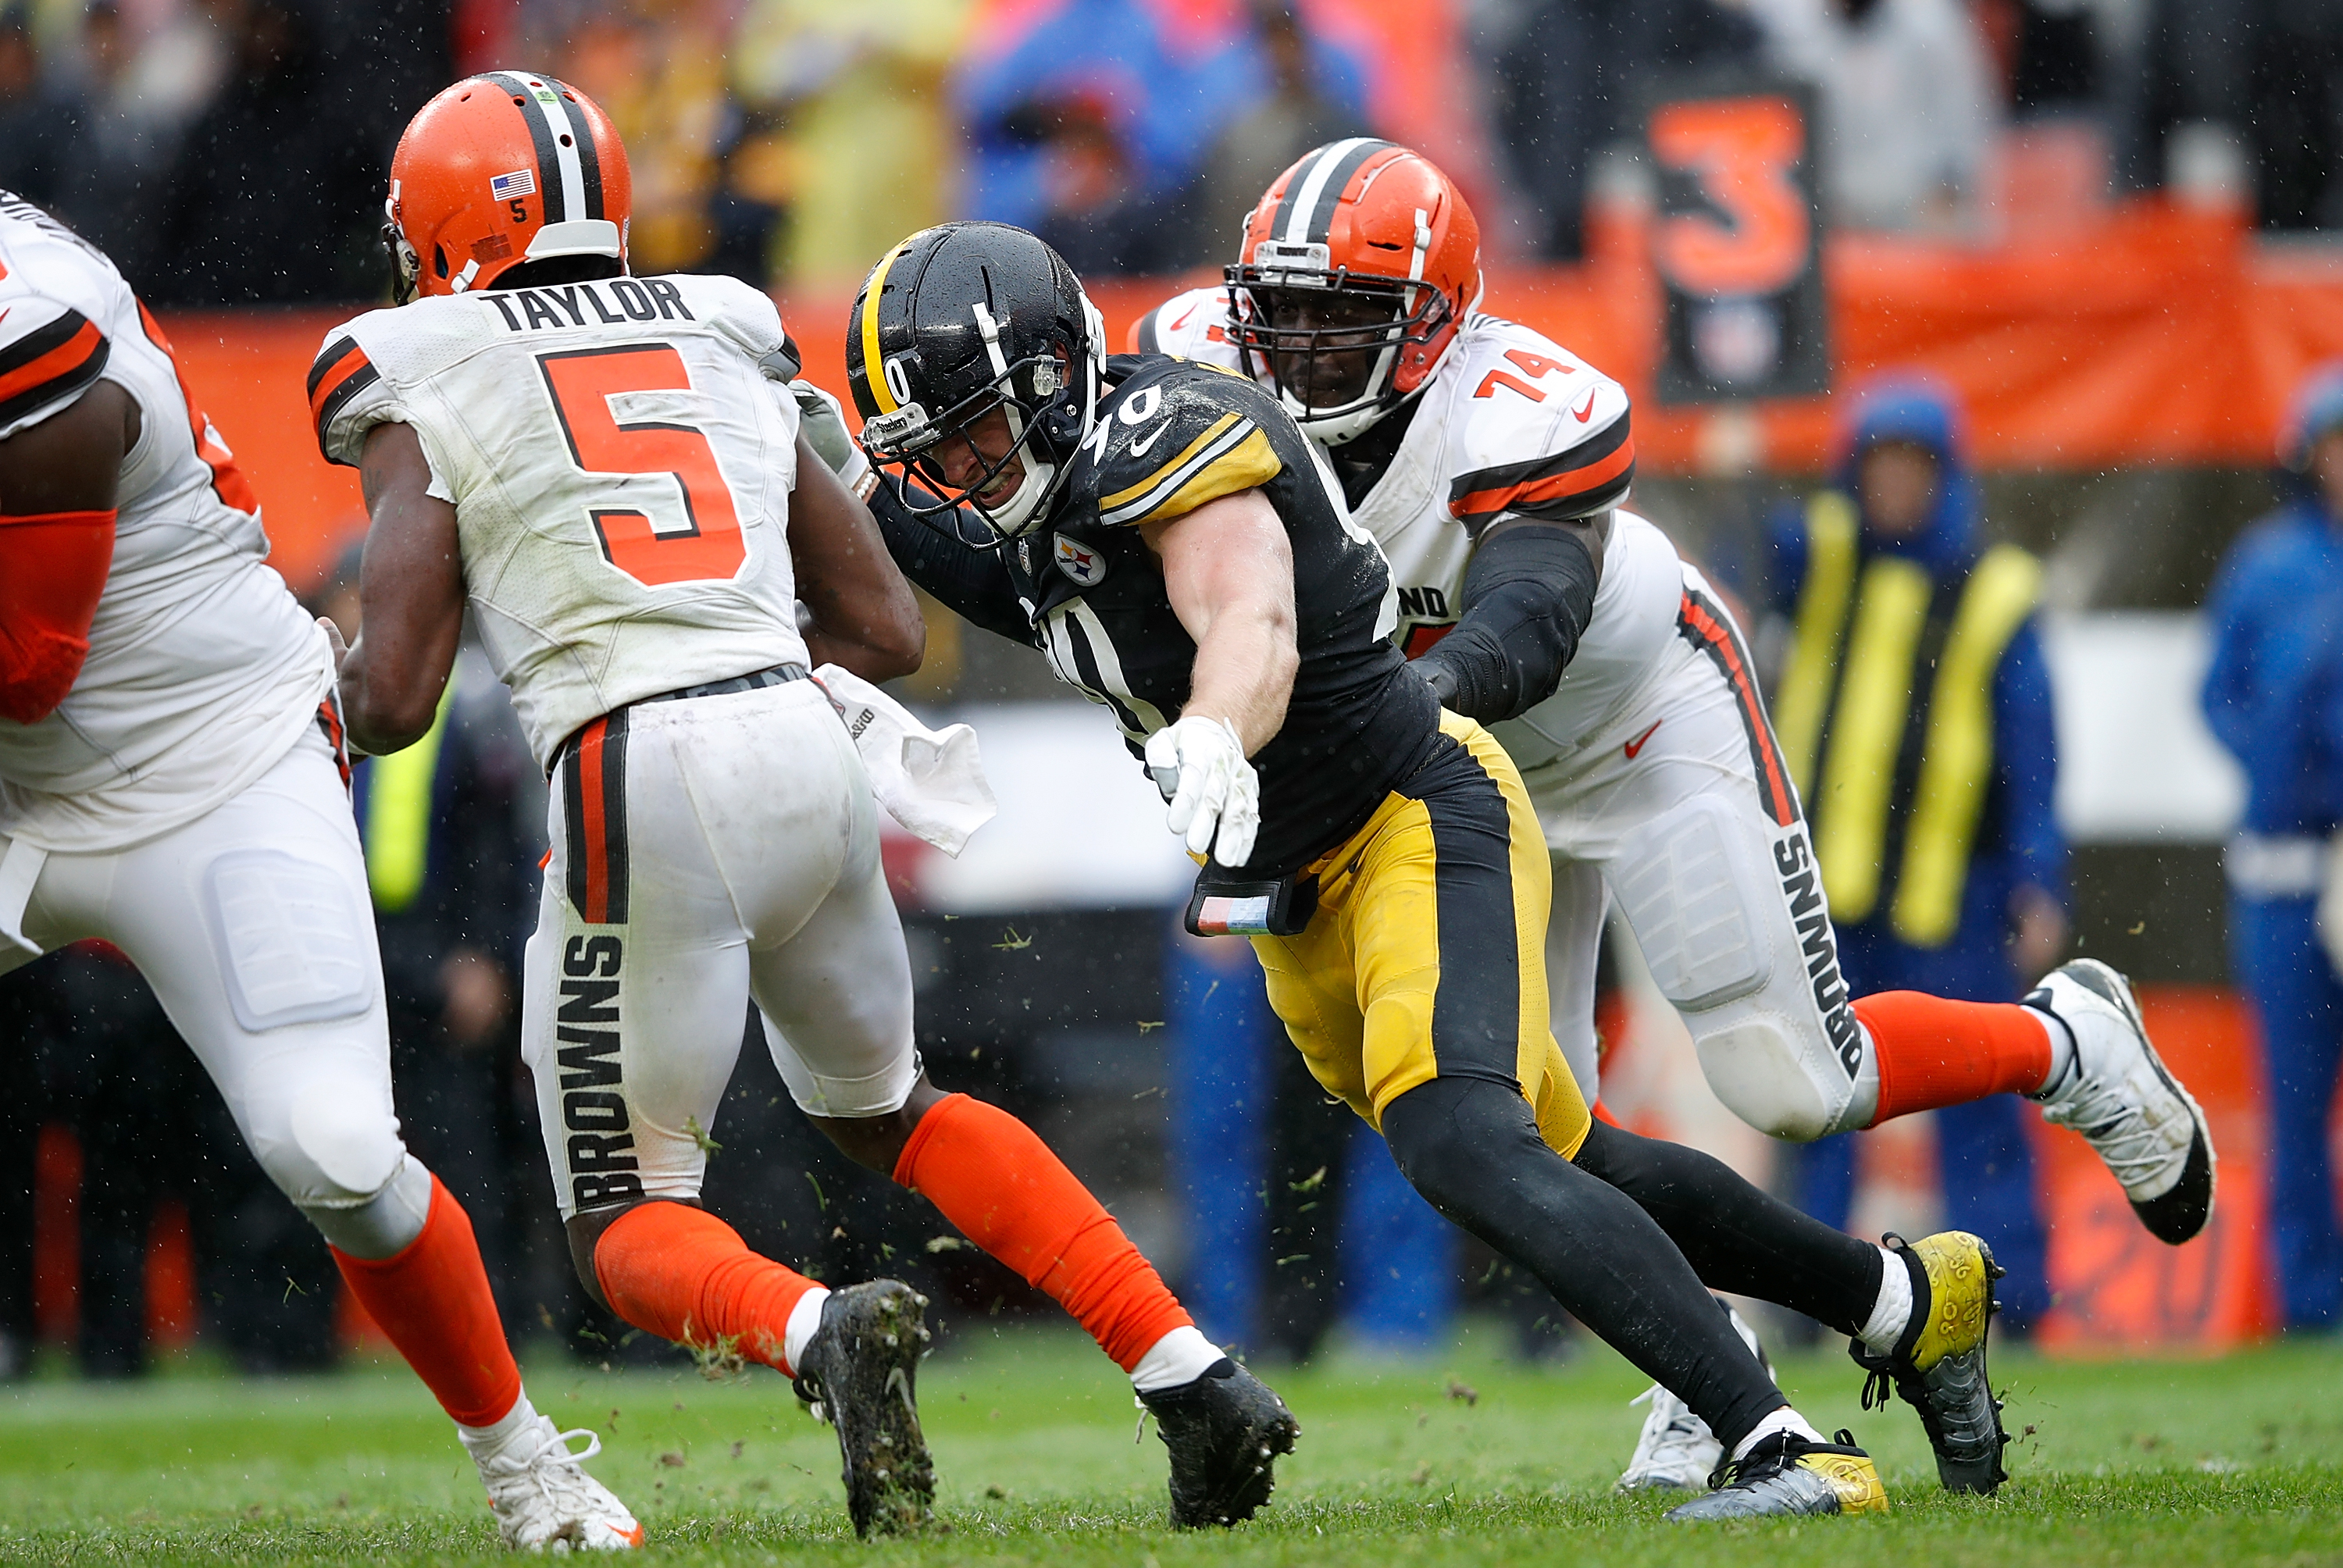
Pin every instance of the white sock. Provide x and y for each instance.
(483, 1442)
(2062, 1048)
(804, 1318)
(1891, 1314)
(1783, 1420)
(1179, 1357)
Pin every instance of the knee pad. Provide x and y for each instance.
(1754, 1064)
(381, 1226)
(1692, 884)
(350, 1139)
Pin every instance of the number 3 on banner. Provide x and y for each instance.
(583, 381)
(1743, 152)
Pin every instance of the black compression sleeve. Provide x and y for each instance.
(1528, 596)
(1470, 1146)
(973, 582)
(1738, 1237)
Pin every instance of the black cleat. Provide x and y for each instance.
(858, 1374)
(1939, 1369)
(1225, 1430)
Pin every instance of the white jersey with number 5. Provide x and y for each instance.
(619, 455)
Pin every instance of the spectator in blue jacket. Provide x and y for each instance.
(2272, 697)
(1941, 878)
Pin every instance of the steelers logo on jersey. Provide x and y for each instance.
(1084, 564)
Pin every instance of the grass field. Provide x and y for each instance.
(1461, 1459)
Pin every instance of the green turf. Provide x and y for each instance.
(1463, 1458)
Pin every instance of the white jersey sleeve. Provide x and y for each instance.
(1192, 326)
(1534, 430)
(620, 454)
(50, 353)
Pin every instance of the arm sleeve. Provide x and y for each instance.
(2025, 739)
(1528, 596)
(52, 572)
(975, 584)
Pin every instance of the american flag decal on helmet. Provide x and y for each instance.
(519, 183)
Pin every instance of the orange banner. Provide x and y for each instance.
(2159, 337)
(2118, 1290)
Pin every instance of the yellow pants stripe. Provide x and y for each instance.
(1426, 957)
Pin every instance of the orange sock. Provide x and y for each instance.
(687, 1276)
(1933, 1052)
(433, 1300)
(1008, 1194)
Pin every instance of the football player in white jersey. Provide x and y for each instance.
(608, 472)
(1493, 465)
(173, 780)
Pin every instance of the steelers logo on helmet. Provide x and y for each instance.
(1358, 268)
(975, 360)
(501, 169)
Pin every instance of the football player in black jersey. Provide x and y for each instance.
(1161, 531)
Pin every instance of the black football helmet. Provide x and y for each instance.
(958, 321)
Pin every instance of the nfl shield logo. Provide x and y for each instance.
(1083, 563)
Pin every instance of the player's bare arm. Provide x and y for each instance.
(865, 618)
(56, 539)
(1228, 568)
(411, 592)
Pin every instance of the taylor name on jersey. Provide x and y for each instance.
(620, 454)
(1510, 423)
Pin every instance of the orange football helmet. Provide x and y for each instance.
(1359, 265)
(503, 168)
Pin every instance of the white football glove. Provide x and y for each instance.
(1200, 765)
(822, 423)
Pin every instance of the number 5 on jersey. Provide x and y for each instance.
(708, 542)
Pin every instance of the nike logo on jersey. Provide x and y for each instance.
(1139, 449)
(1637, 744)
(1184, 318)
(1585, 410)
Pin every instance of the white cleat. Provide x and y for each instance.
(1676, 1452)
(2121, 1098)
(545, 1501)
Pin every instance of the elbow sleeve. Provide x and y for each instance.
(1527, 599)
(52, 571)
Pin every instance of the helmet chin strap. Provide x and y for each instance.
(1015, 515)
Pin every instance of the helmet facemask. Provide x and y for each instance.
(1045, 428)
(1331, 343)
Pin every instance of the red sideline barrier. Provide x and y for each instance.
(2160, 335)
(2118, 1290)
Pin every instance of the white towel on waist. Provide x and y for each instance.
(930, 780)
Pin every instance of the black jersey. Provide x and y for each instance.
(1085, 590)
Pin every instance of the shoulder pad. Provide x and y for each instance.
(1534, 430)
(748, 315)
(50, 353)
(1192, 326)
(1172, 436)
(348, 395)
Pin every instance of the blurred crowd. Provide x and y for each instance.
(229, 151)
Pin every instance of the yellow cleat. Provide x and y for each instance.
(1939, 1368)
(1787, 1474)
